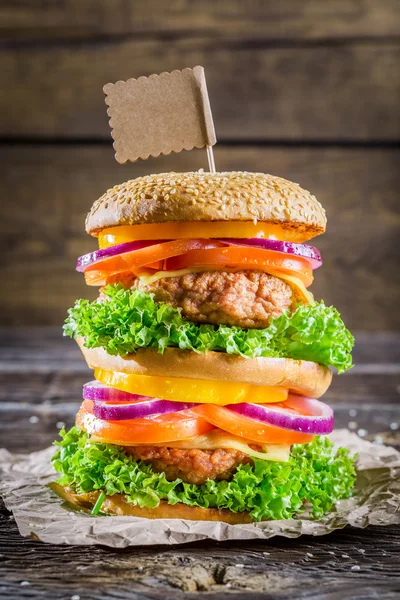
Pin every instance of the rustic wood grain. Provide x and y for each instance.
(48, 190)
(59, 379)
(305, 568)
(39, 366)
(347, 565)
(42, 374)
(329, 92)
(350, 564)
(277, 71)
(32, 427)
(313, 19)
(55, 383)
(46, 347)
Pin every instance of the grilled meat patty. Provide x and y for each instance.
(244, 298)
(191, 465)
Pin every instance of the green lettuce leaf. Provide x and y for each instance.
(315, 477)
(130, 319)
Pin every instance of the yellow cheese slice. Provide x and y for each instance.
(221, 439)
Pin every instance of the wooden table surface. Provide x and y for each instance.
(41, 378)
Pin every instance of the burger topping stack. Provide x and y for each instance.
(209, 354)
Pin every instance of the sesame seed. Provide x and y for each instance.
(246, 196)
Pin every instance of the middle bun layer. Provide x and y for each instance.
(300, 376)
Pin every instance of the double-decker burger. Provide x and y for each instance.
(209, 355)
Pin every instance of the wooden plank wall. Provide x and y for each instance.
(306, 90)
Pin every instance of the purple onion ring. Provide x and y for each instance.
(319, 422)
(310, 253)
(111, 404)
(93, 257)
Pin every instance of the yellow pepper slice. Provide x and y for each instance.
(198, 229)
(191, 390)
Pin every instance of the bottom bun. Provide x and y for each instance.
(299, 376)
(117, 505)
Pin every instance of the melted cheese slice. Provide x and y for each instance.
(217, 438)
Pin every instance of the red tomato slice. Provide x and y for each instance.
(249, 428)
(162, 428)
(97, 273)
(244, 258)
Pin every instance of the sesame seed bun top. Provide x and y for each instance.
(202, 196)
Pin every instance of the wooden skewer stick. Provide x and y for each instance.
(210, 157)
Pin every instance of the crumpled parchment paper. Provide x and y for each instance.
(41, 514)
